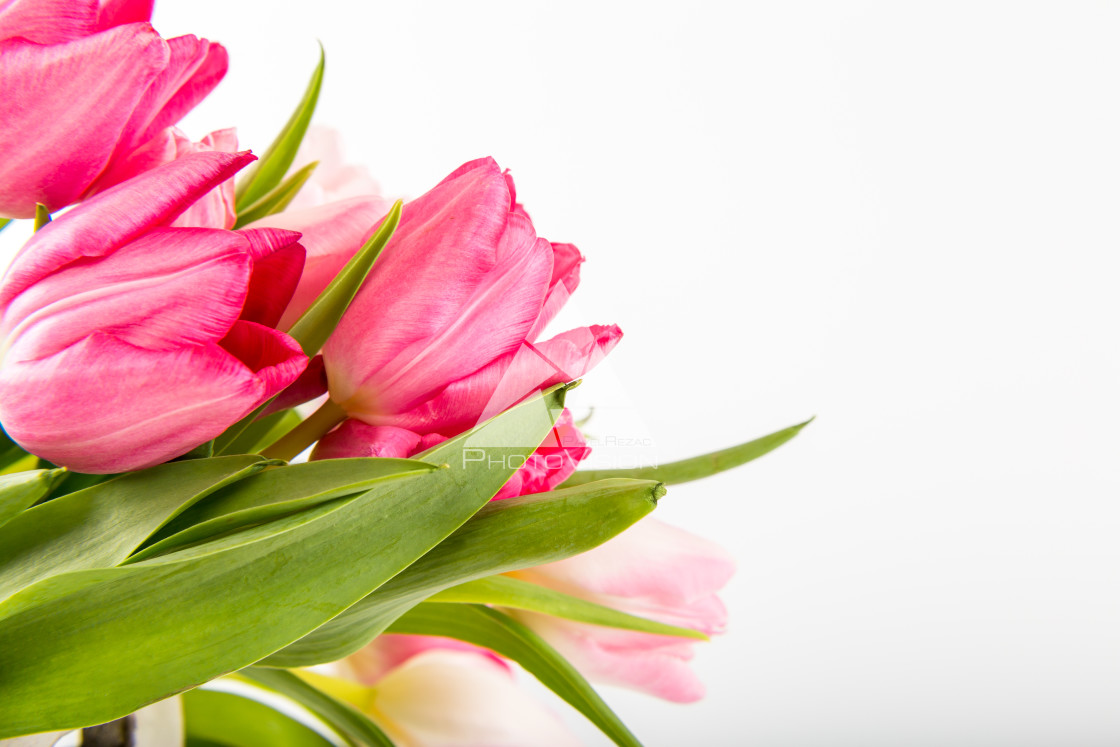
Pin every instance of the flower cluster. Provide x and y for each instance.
(158, 328)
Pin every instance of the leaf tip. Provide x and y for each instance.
(658, 492)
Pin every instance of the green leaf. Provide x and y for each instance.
(273, 494)
(265, 174)
(278, 199)
(100, 526)
(342, 717)
(505, 535)
(504, 591)
(227, 603)
(42, 215)
(502, 634)
(76, 481)
(696, 467)
(313, 328)
(262, 432)
(4, 223)
(22, 490)
(239, 721)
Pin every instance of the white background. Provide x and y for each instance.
(900, 217)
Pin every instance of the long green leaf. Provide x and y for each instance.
(239, 721)
(500, 633)
(504, 536)
(268, 172)
(100, 526)
(262, 432)
(278, 199)
(22, 490)
(229, 602)
(313, 328)
(513, 593)
(696, 467)
(342, 717)
(274, 494)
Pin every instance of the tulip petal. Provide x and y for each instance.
(194, 68)
(357, 439)
(275, 359)
(565, 279)
(104, 406)
(653, 569)
(170, 288)
(654, 664)
(417, 323)
(277, 265)
(506, 381)
(310, 384)
(119, 12)
(117, 216)
(390, 650)
(74, 99)
(48, 21)
(331, 234)
(445, 698)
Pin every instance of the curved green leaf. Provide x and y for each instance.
(696, 467)
(278, 199)
(504, 536)
(229, 602)
(273, 494)
(513, 593)
(100, 526)
(22, 490)
(502, 634)
(263, 176)
(342, 717)
(238, 721)
(317, 323)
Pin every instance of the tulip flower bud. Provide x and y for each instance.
(126, 343)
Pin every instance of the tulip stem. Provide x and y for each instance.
(317, 425)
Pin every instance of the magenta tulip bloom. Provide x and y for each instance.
(84, 86)
(126, 343)
(652, 570)
(442, 333)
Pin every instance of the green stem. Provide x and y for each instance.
(317, 425)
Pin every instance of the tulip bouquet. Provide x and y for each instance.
(287, 459)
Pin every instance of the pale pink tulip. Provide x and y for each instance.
(126, 343)
(83, 86)
(441, 334)
(437, 692)
(652, 570)
(334, 179)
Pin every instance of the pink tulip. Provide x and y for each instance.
(332, 234)
(652, 570)
(438, 692)
(552, 463)
(441, 334)
(126, 343)
(84, 86)
(214, 210)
